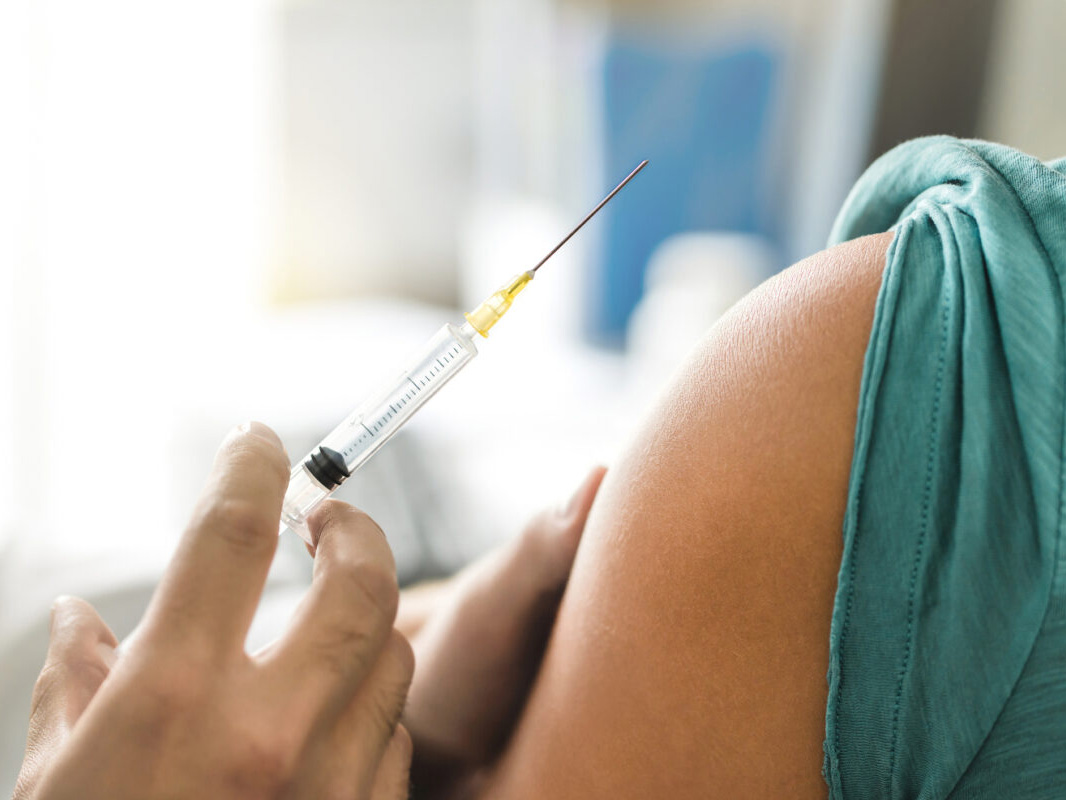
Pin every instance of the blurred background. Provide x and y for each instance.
(213, 211)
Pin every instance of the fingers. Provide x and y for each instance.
(479, 653)
(576, 512)
(346, 618)
(213, 584)
(369, 722)
(417, 604)
(549, 543)
(393, 781)
(369, 750)
(80, 655)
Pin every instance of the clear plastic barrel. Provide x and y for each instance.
(357, 438)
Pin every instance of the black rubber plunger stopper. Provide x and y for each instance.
(328, 467)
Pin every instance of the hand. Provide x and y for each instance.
(186, 712)
(479, 639)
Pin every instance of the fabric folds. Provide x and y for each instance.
(947, 669)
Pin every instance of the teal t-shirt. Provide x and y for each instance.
(947, 674)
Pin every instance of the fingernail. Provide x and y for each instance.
(260, 430)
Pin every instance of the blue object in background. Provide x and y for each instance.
(701, 119)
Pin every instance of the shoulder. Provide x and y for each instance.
(692, 645)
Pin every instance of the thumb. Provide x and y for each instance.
(549, 542)
(81, 652)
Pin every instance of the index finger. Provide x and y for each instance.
(212, 586)
(338, 631)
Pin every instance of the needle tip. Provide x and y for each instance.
(591, 214)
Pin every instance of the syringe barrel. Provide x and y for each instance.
(352, 443)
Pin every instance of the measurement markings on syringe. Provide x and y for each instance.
(351, 443)
(425, 378)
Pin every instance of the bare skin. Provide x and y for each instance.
(479, 639)
(186, 712)
(239, 723)
(689, 656)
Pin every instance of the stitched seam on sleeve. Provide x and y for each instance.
(867, 401)
(927, 490)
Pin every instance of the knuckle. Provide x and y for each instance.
(269, 760)
(386, 709)
(244, 524)
(344, 649)
(169, 693)
(387, 701)
(179, 643)
(367, 585)
(354, 639)
(167, 685)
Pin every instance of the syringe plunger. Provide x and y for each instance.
(357, 438)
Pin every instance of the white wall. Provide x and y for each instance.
(137, 136)
(1026, 105)
(15, 104)
(377, 140)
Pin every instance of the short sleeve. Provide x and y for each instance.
(954, 522)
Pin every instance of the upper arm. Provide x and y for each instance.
(689, 655)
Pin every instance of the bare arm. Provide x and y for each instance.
(689, 655)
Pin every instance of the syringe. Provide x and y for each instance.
(365, 430)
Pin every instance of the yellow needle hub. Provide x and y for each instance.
(487, 314)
